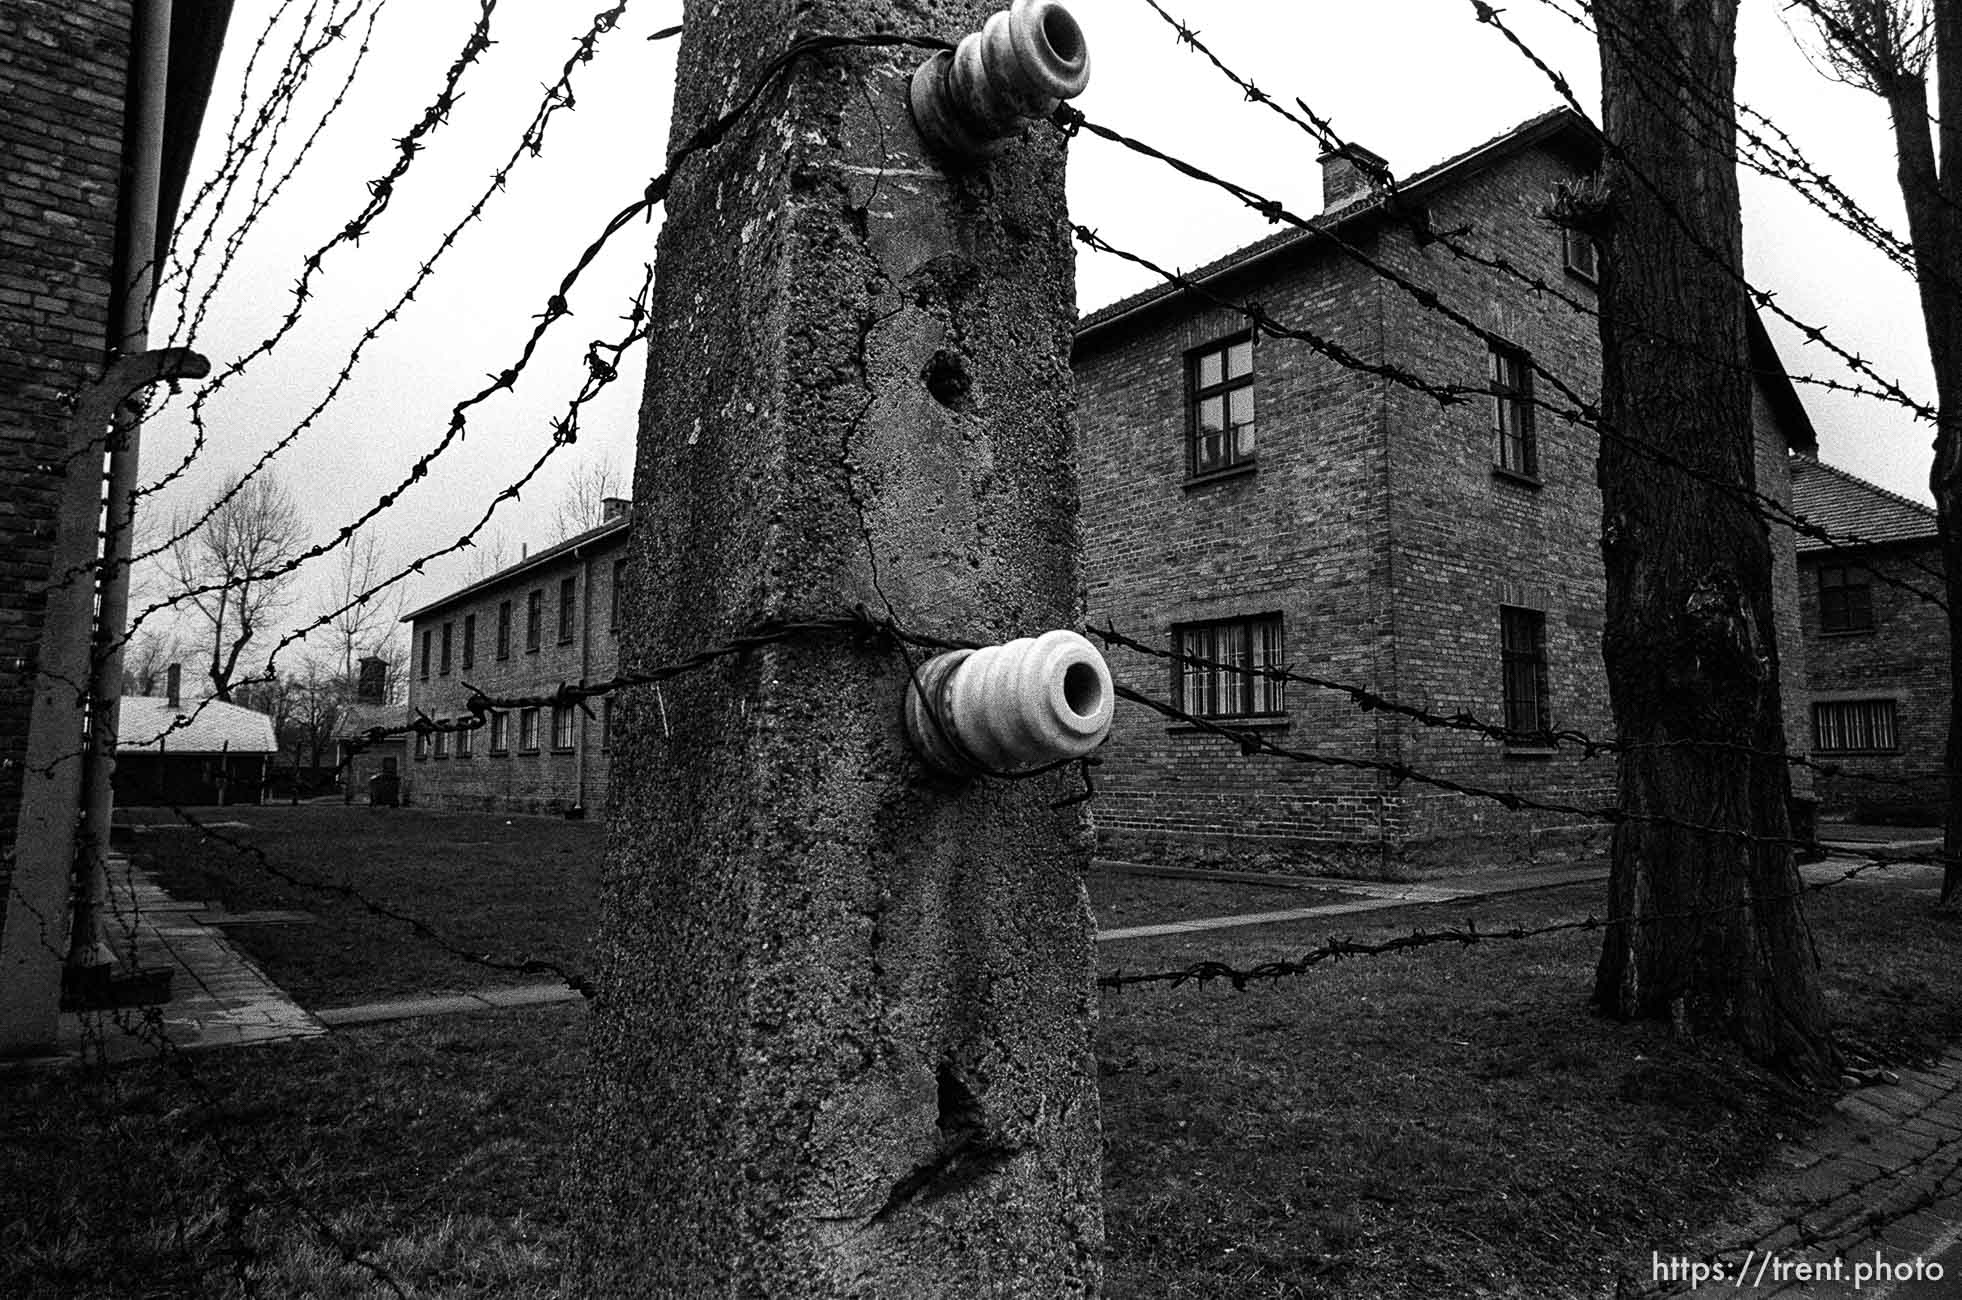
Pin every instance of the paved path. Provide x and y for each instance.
(218, 997)
(1869, 1205)
(1378, 896)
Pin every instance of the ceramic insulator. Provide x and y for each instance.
(1005, 707)
(1025, 60)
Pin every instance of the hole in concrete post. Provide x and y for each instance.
(947, 379)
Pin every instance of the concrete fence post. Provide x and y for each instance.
(842, 1029)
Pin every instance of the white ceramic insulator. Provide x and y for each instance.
(1020, 65)
(1002, 708)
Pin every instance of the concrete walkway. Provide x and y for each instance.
(218, 997)
(1377, 895)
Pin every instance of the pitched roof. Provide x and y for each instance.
(358, 719)
(1856, 512)
(611, 530)
(1557, 122)
(145, 722)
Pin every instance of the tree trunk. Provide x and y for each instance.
(1931, 192)
(1707, 931)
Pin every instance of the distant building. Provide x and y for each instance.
(1248, 500)
(547, 620)
(359, 759)
(1876, 648)
(208, 752)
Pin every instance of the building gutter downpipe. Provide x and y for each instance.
(143, 184)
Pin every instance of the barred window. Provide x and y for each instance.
(442, 744)
(428, 649)
(504, 629)
(1220, 384)
(1522, 656)
(1512, 411)
(568, 602)
(1854, 727)
(534, 620)
(528, 731)
(561, 726)
(500, 729)
(449, 630)
(1211, 673)
(422, 744)
(1845, 598)
(466, 737)
(469, 641)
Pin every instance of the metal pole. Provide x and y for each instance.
(142, 186)
(34, 938)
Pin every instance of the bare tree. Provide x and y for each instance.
(488, 554)
(1889, 47)
(226, 567)
(1705, 928)
(146, 659)
(582, 504)
(360, 618)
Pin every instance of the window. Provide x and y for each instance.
(1580, 254)
(442, 744)
(1845, 599)
(422, 744)
(469, 641)
(1221, 686)
(466, 736)
(1512, 408)
(1522, 656)
(448, 628)
(428, 644)
(1221, 395)
(528, 731)
(504, 629)
(1854, 726)
(568, 599)
(534, 620)
(561, 726)
(500, 727)
(619, 580)
(606, 724)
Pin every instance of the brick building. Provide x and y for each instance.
(546, 620)
(66, 78)
(1876, 649)
(1248, 500)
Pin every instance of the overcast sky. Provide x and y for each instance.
(1415, 80)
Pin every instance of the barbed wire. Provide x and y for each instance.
(380, 192)
(1813, 334)
(1466, 936)
(1583, 412)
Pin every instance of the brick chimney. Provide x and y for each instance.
(173, 685)
(371, 687)
(612, 508)
(1350, 173)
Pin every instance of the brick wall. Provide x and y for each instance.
(1377, 525)
(62, 78)
(544, 779)
(1903, 657)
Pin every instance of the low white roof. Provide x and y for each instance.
(209, 727)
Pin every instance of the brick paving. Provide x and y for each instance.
(1869, 1204)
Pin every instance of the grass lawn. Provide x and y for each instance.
(513, 887)
(1447, 1122)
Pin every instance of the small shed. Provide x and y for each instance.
(209, 752)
